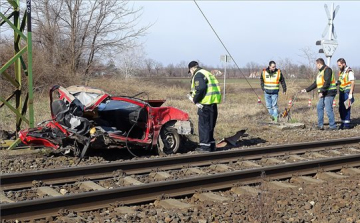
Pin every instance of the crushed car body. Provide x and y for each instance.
(84, 117)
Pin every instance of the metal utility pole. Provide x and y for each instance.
(225, 59)
(329, 45)
(20, 65)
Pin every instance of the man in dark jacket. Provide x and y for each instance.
(205, 91)
(270, 79)
(326, 87)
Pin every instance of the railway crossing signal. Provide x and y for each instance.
(330, 25)
(328, 47)
(330, 44)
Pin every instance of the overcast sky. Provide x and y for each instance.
(257, 31)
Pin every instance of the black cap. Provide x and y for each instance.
(192, 64)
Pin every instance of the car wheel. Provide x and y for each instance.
(169, 141)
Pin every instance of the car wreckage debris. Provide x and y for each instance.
(85, 118)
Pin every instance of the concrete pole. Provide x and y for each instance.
(330, 30)
(225, 79)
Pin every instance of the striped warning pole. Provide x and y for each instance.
(309, 103)
(334, 103)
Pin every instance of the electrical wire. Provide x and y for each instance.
(228, 51)
(126, 141)
(127, 135)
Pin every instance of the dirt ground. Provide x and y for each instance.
(267, 134)
(332, 201)
(337, 201)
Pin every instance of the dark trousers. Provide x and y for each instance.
(207, 121)
(344, 113)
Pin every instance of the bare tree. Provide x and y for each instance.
(158, 66)
(183, 68)
(47, 31)
(252, 68)
(86, 30)
(4, 6)
(233, 70)
(5, 9)
(310, 57)
(302, 70)
(130, 62)
(356, 72)
(170, 70)
(149, 64)
(288, 68)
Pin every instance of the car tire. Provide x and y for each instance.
(169, 141)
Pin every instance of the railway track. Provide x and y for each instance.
(24, 180)
(150, 192)
(33, 209)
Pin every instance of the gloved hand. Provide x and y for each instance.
(338, 83)
(190, 98)
(350, 96)
(303, 91)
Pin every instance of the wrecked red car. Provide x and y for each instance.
(87, 118)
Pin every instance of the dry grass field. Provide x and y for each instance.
(335, 200)
(239, 111)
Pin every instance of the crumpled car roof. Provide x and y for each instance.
(88, 96)
(79, 88)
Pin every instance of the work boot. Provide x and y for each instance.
(320, 128)
(203, 150)
(331, 129)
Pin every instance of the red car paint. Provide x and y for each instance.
(156, 118)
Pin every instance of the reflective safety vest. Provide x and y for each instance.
(213, 93)
(320, 81)
(271, 82)
(344, 79)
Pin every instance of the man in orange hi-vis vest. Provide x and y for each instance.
(270, 79)
(346, 84)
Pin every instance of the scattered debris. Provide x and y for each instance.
(232, 140)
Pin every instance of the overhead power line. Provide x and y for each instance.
(222, 43)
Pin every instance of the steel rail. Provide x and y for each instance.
(87, 201)
(101, 171)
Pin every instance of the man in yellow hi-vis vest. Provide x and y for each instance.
(205, 91)
(326, 87)
(346, 84)
(270, 80)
